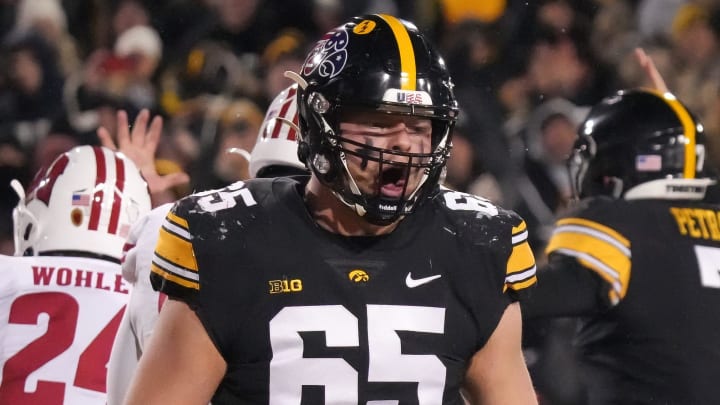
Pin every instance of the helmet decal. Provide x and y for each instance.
(42, 190)
(76, 216)
(648, 163)
(409, 97)
(365, 27)
(329, 55)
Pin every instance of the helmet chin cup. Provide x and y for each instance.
(390, 210)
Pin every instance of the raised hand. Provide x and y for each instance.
(651, 72)
(139, 143)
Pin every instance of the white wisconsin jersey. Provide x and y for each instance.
(58, 319)
(142, 313)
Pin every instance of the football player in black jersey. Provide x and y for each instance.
(639, 258)
(365, 282)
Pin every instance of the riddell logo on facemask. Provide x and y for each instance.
(388, 207)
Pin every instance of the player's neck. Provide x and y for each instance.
(334, 216)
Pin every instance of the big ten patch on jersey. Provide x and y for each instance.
(58, 319)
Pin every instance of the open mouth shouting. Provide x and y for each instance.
(393, 182)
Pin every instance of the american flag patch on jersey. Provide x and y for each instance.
(81, 199)
(648, 163)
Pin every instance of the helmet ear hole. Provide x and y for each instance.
(28, 230)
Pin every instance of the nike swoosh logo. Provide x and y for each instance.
(415, 282)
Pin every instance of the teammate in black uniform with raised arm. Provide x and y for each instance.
(639, 258)
(363, 283)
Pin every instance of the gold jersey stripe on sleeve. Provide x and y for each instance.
(520, 271)
(596, 226)
(174, 278)
(176, 249)
(519, 233)
(407, 53)
(520, 259)
(520, 228)
(519, 285)
(177, 220)
(606, 253)
(521, 279)
(179, 271)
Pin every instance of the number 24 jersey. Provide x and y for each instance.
(58, 319)
(302, 315)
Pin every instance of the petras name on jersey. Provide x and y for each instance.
(697, 223)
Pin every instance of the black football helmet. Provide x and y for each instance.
(374, 63)
(640, 144)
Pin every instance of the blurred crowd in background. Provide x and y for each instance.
(525, 72)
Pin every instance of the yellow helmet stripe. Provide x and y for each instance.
(688, 129)
(408, 71)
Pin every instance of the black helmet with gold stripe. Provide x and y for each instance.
(640, 143)
(376, 63)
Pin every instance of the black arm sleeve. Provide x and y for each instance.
(564, 288)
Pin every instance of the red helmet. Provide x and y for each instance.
(277, 144)
(83, 204)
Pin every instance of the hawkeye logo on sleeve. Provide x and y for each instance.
(285, 286)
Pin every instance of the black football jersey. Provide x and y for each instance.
(657, 339)
(305, 316)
